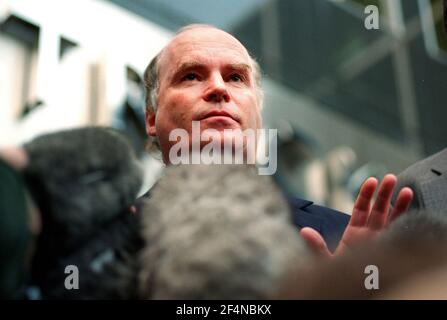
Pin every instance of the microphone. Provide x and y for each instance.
(84, 181)
(216, 232)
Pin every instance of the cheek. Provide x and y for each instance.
(175, 112)
(250, 110)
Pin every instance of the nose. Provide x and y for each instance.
(216, 90)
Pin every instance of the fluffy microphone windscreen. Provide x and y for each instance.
(84, 182)
(81, 178)
(216, 232)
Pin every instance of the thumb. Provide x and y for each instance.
(315, 242)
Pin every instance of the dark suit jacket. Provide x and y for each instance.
(329, 223)
(428, 180)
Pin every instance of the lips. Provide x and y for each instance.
(219, 113)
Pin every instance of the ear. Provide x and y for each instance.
(150, 122)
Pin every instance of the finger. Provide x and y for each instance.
(379, 213)
(315, 242)
(363, 202)
(402, 204)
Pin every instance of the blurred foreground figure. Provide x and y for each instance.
(217, 232)
(83, 182)
(411, 262)
(15, 231)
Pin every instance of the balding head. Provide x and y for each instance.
(152, 72)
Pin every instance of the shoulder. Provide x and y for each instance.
(426, 168)
(427, 179)
(328, 222)
(322, 213)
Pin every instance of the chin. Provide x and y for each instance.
(232, 139)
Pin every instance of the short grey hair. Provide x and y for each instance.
(151, 75)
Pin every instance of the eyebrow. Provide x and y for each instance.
(189, 66)
(186, 66)
(239, 66)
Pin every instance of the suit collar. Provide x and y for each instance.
(301, 218)
(298, 203)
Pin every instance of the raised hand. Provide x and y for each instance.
(365, 223)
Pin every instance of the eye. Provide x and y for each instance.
(190, 77)
(235, 77)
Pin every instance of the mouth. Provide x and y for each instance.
(219, 114)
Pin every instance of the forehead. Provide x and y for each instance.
(208, 46)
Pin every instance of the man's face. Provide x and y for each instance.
(205, 75)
